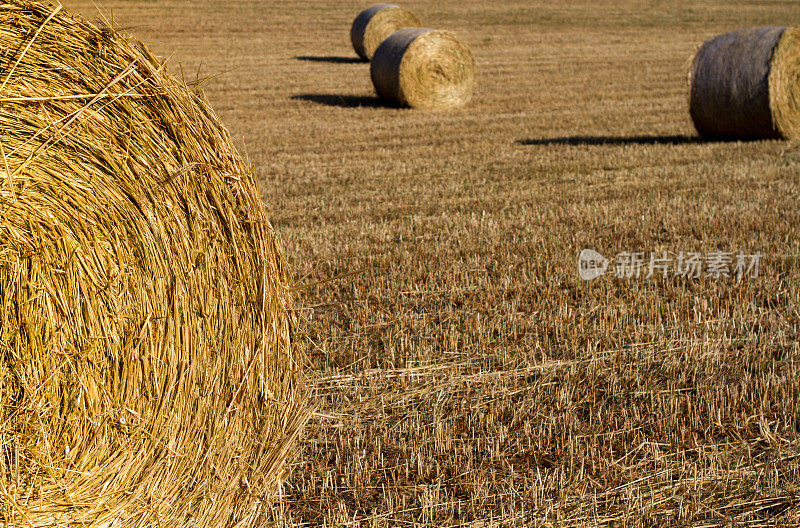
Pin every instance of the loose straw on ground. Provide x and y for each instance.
(149, 374)
(746, 85)
(374, 24)
(424, 68)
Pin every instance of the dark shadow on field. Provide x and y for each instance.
(347, 101)
(611, 140)
(331, 59)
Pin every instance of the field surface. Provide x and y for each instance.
(464, 375)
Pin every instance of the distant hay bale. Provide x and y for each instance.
(149, 374)
(424, 68)
(746, 85)
(375, 23)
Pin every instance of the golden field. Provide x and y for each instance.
(463, 373)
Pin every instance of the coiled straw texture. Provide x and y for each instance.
(746, 85)
(148, 370)
(375, 23)
(424, 68)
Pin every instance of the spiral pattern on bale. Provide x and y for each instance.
(424, 68)
(149, 374)
(375, 23)
(746, 85)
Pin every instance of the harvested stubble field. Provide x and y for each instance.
(466, 376)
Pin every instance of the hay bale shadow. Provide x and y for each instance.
(620, 140)
(331, 59)
(347, 101)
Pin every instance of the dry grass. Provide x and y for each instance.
(784, 85)
(374, 24)
(424, 68)
(466, 376)
(730, 88)
(148, 358)
(744, 85)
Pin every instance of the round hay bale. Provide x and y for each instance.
(424, 68)
(746, 85)
(375, 23)
(149, 374)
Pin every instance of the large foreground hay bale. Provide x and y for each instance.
(746, 85)
(148, 370)
(375, 23)
(424, 68)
